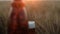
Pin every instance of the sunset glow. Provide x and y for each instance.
(32, 0)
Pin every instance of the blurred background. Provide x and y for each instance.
(4, 11)
(45, 13)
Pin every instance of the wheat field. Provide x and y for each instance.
(46, 15)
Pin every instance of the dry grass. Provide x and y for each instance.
(45, 13)
(4, 11)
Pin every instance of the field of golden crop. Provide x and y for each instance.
(46, 14)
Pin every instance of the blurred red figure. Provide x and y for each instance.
(18, 24)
